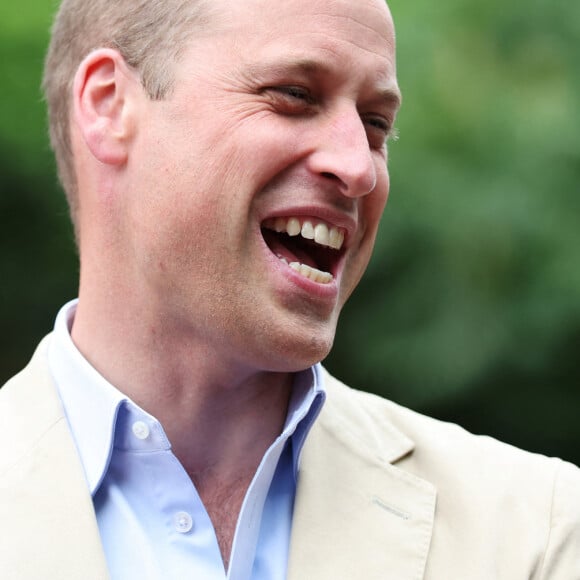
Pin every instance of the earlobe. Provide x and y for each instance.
(102, 107)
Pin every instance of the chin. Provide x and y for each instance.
(296, 352)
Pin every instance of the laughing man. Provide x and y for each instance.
(225, 167)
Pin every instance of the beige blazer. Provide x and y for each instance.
(383, 493)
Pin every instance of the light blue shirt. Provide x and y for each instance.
(152, 522)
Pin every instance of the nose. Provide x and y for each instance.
(343, 154)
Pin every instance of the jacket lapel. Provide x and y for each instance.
(45, 504)
(358, 516)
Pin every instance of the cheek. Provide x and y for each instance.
(374, 204)
(372, 209)
(271, 147)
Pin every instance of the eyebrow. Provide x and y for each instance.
(282, 68)
(390, 96)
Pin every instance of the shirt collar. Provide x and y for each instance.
(96, 410)
(306, 402)
(90, 402)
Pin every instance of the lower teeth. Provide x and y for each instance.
(309, 272)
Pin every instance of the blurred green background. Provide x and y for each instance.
(470, 310)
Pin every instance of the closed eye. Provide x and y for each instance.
(295, 92)
(379, 130)
(378, 123)
(291, 99)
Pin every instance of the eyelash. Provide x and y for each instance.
(296, 98)
(379, 124)
(296, 92)
(389, 133)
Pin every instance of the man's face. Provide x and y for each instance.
(274, 134)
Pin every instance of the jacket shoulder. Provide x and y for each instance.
(493, 499)
(29, 407)
(374, 418)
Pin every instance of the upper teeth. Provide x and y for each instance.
(320, 232)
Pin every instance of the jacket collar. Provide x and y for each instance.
(357, 514)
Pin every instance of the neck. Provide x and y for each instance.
(220, 416)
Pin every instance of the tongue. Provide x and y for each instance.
(288, 248)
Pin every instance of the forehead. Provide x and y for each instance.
(326, 36)
(370, 16)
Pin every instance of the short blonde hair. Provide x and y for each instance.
(149, 34)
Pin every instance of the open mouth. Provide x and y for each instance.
(310, 247)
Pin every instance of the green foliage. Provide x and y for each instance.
(471, 306)
(38, 268)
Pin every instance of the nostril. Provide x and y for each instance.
(335, 178)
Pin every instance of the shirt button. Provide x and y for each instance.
(183, 522)
(140, 430)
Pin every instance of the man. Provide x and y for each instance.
(225, 167)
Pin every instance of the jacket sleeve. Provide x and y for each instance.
(562, 556)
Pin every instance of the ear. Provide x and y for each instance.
(103, 90)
